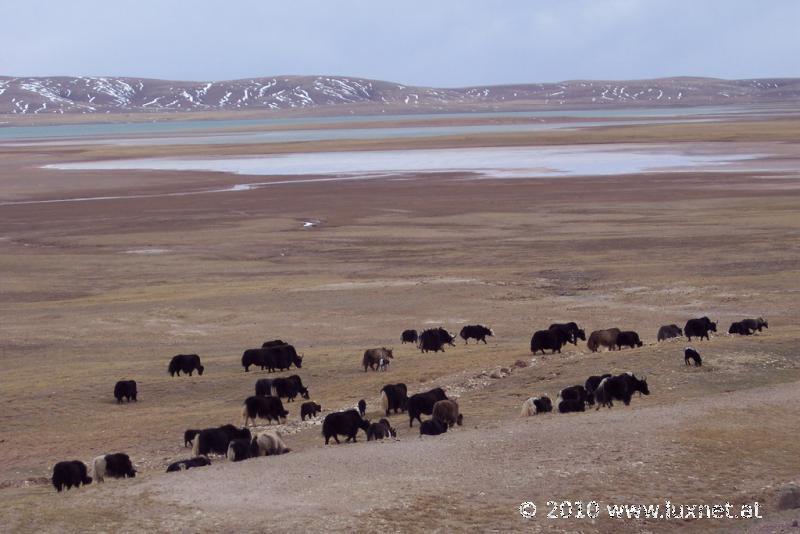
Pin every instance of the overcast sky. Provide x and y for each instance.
(447, 43)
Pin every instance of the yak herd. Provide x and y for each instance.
(238, 443)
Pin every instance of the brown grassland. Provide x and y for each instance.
(84, 305)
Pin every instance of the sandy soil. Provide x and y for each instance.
(100, 291)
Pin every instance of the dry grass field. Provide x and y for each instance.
(94, 292)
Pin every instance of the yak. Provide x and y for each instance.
(699, 328)
(628, 338)
(70, 473)
(669, 331)
(117, 465)
(536, 405)
(268, 408)
(270, 443)
(127, 389)
(548, 339)
(620, 387)
(691, 354)
(373, 357)
(740, 328)
(187, 363)
(570, 330)
(345, 423)
(434, 339)
(603, 338)
(422, 403)
(478, 332)
(183, 465)
(446, 411)
(409, 336)
(309, 409)
(432, 427)
(216, 440)
(394, 397)
(380, 430)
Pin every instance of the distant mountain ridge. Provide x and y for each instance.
(139, 95)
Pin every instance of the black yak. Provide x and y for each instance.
(394, 397)
(309, 409)
(422, 403)
(691, 354)
(116, 465)
(70, 473)
(268, 408)
(345, 423)
(188, 363)
(478, 332)
(183, 465)
(699, 328)
(126, 389)
(409, 336)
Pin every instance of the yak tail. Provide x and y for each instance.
(245, 415)
(196, 445)
(384, 402)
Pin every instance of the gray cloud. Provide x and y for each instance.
(441, 43)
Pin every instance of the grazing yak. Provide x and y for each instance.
(434, 339)
(603, 338)
(183, 465)
(591, 386)
(270, 443)
(422, 403)
(242, 449)
(432, 427)
(309, 409)
(629, 338)
(571, 405)
(669, 331)
(380, 430)
(548, 339)
(69, 474)
(620, 387)
(216, 440)
(127, 389)
(740, 328)
(188, 436)
(116, 465)
(691, 354)
(478, 332)
(577, 393)
(409, 336)
(372, 357)
(289, 388)
(345, 423)
(362, 407)
(699, 328)
(755, 324)
(280, 357)
(268, 408)
(446, 411)
(188, 363)
(394, 397)
(536, 405)
(570, 330)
